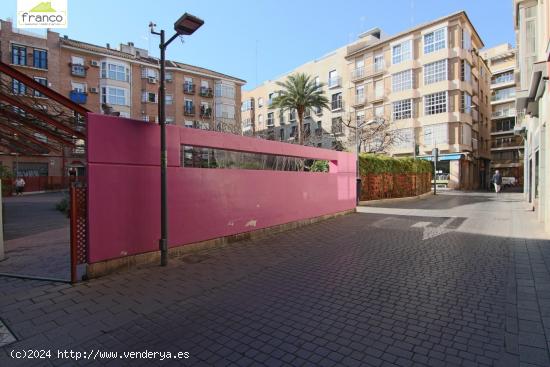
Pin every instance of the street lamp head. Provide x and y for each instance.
(187, 24)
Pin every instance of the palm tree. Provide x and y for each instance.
(300, 93)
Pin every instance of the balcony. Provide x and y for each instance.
(78, 70)
(358, 74)
(78, 97)
(335, 82)
(504, 113)
(206, 92)
(189, 88)
(189, 111)
(337, 105)
(503, 97)
(360, 99)
(206, 112)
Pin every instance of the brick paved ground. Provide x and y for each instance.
(462, 282)
(36, 236)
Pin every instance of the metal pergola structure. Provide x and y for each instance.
(35, 120)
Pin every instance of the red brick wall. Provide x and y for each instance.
(398, 185)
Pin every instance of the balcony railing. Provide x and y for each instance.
(358, 73)
(360, 99)
(503, 96)
(189, 88)
(78, 97)
(504, 113)
(206, 92)
(78, 70)
(189, 111)
(335, 82)
(337, 105)
(206, 112)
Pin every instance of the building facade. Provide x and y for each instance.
(429, 84)
(122, 81)
(506, 146)
(532, 27)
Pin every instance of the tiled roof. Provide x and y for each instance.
(145, 59)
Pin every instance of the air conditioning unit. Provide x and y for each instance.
(151, 80)
(169, 80)
(94, 63)
(92, 90)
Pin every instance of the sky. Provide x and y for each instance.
(258, 40)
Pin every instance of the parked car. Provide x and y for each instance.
(509, 181)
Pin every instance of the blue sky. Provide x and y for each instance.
(258, 40)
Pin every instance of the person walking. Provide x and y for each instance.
(19, 186)
(497, 181)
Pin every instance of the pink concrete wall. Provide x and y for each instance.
(124, 181)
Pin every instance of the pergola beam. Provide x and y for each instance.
(50, 93)
(40, 115)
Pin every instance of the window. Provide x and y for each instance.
(168, 99)
(225, 111)
(149, 73)
(337, 125)
(112, 95)
(188, 105)
(307, 129)
(225, 90)
(466, 136)
(402, 52)
(333, 79)
(503, 77)
(42, 81)
(402, 81)
(115, 72)
(292, 115)
(270, 119)
(435, 103)
(402, 109)
(148, 97)
(78, 87)
(77, 60)
(18, 87)
(466, 40)
(360, 94)
(379, 89)
(378, 62)
(465, 71)
(404, 138)
(168, 76)
(435, 72)
(260, 119)
(260, 102)
(282, 134)
(40, 59)
(293, 131)
(506, 93)
(18, 55)
(337, 101)
(379, 111)
(436, 134)
(466, 103)
(435, 40)
(317, 81)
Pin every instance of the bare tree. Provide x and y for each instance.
(375, 136)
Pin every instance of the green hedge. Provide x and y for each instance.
(376, 163)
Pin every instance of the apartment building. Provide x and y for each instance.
(506, 147)
(322, 128)
(532, 27)
(429, 84)
(123, 81)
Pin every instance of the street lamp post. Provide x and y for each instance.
(187, 24)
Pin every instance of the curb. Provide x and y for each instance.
(394, 200)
